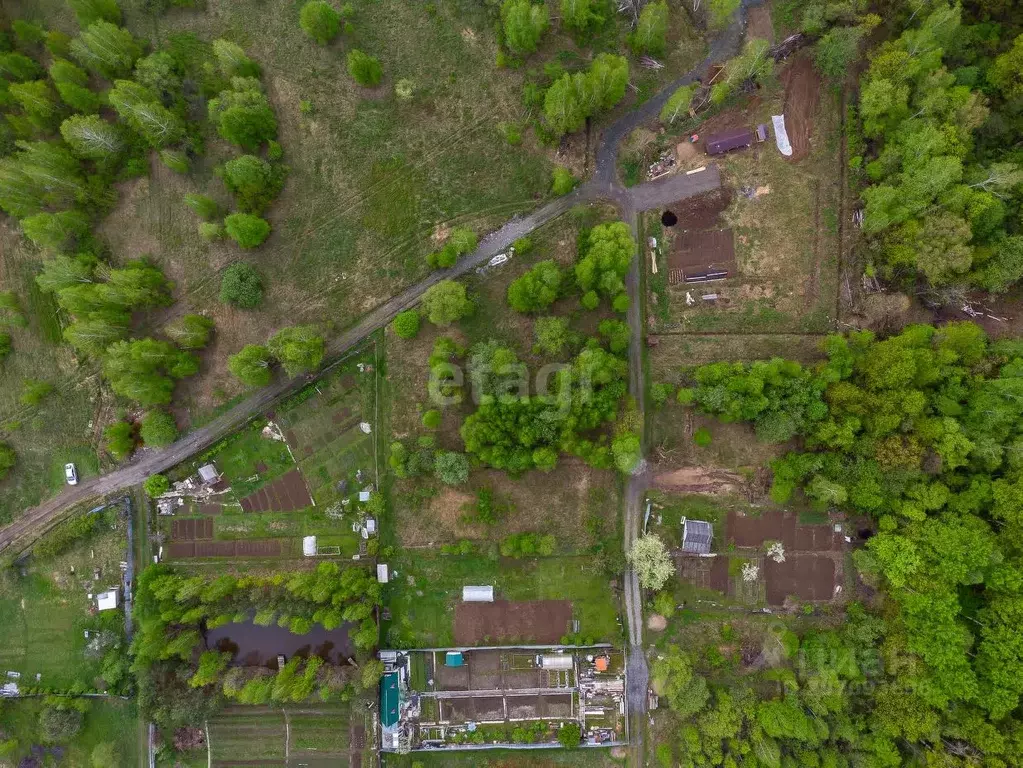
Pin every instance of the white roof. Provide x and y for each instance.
(364, 495)
(382, 575)
(208, 473)
(478, 594)
(309, 546)
(106, 601)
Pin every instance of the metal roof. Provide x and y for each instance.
(478, 594)
(696, 537)
(389, 700)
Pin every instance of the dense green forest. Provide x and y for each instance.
(922, 434)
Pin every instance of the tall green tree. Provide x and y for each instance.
(251, 365)
(298, 349)
(524, 23)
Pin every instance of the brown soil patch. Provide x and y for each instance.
(192, 530)
(696, 253)
(702, 211)
(448, 507)
(285, 494)
(775, 525)
(704, 572)
(807, 577)
(802, 96)
(685, 151)
(758, 24)
(700, 480)
(540, 621)
(657, 623)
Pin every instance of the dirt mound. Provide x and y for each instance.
(657, 623)
(802, 95)
(700, 480)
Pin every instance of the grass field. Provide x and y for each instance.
(427, 586)
(60, 429)
(108, 721)
(46, 611)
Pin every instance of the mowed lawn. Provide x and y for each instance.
(108, 721)
(427, 586)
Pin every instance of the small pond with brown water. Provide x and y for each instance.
(255, 646)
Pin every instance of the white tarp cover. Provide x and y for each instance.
(781, 136)
(478, 594)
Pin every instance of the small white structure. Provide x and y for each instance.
(365, 427)
(364, 495)
(382, 573)
(371, 524)
(208, 474)
(478, 594)
(107, 601)
(309, 546)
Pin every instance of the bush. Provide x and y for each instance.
(563, 181)
(406, 324)
(8, 458)
(190, 331)
(590, 300)
(702, 437)
(204, 206)
(247, 230)
(551, 334)
(241, 286)
(298, 349)
(320, 21)
(522, 246)
(253, 181)
(569, 735)
(156, 485)
(60, 724)
(5, 345)
(120, 439)
(210, 231)
(451, 468)
(621, 303)
(664, 604)
(158, 429)
(660, 393)
(520, 545)
(364, 69)
(446, 302)
(34, 391)
(174, 159)
(251, 365)
(431, 419)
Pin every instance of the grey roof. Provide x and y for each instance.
(696, 537)
(208, 473)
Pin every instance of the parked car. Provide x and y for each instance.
(71, 474)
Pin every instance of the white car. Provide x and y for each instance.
(71, 474)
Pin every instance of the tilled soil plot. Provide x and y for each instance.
(775, 525)
(285, 494)
(802, 95)
(539, 621)
(191, 530)
(702, 211)
(808, 577)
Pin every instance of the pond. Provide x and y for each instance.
(256, 646)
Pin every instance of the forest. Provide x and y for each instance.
(920, 435)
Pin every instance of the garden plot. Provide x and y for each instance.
(284, 477)
(543, 621)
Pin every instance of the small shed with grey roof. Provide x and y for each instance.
(696, 536)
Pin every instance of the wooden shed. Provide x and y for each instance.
(737, 138)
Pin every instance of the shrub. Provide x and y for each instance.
(253, 181)
(247, 230)
(702, 437)
(551, 334)
(522, 246)
(120, 439)
(364, 69)
(190, 331)
(590, 300)
(210, 231)
(406, 324)
(59, 723)
(621, 303)
(174, 159)
(251, 365)
(660, 394)
(431, 419)
(241, 286)
(158, 429)
(563, 181)
(8, 458)
(5, 345)
(320, 21)
(446, 302)
(451, 468)
(510, 132)
(536, 289)
(569, 735)
(298, 349)
(664, 604)
(204, 206)
(34, 391)
(156, 485)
